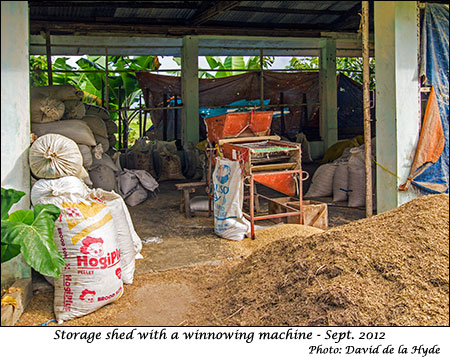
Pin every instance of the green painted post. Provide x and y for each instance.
(397, 99)
(189, 89)
(328, 93)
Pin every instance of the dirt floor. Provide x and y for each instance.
(181, 258)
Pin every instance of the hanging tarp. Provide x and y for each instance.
(299, 89)
(429, 170)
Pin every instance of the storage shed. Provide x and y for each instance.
(188, 29)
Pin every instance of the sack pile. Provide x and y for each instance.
(135, 185)
(344, 178)
(58, 111)
(96, 237)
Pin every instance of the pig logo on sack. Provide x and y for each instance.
(223, 175)
(87, 295)
(92, 246)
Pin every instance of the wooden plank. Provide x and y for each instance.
(248, 139)
(273, 167)
(21, 292)
(182, 186)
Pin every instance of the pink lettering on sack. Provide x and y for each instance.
(68, 293)
(94, 256)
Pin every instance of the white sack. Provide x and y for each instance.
(129, 242)
(77, 130)
(357, 178)
(322, 181)
(340, 182)
(229, 221)
(86, 237)
(55, 156)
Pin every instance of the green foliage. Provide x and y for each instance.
(350, 66)
(230, 66)
(30, 232)
(121, 84)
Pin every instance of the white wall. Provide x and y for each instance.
(15, 109)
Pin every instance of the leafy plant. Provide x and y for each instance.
(350, 66)
(30, 232)
(231, 65)
(92, 83)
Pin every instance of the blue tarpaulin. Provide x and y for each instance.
(429, 171)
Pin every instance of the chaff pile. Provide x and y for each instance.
(390, 270)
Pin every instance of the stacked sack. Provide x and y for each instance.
(135, 185)
(163, 161)
(59, 110)
(103, 128)
(140, 156)
(167, 163)
(194, 162)
(95, 236)
(343, 178)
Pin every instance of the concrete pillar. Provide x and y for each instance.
(328, 93)
(15, 117)
(397, 98)
(189, 89)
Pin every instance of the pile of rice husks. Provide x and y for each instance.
(390, 270)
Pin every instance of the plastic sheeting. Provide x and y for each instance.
(296, 88)
(429, 171)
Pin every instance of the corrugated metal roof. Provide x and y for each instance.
(200, 15)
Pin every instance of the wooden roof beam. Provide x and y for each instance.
(205, 14)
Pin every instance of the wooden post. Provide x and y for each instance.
(146, 101)
(120, 118)
(106, 79)
(328, 93)
(282, 124)
(140, 116)
(261, 79)
(189, 89)
(304, 118)
(366, 106)
(49, 57)
(175, 126)
(103, 94)
(165, 117)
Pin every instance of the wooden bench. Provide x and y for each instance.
(188, 188)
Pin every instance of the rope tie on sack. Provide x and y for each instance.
(51, 155)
